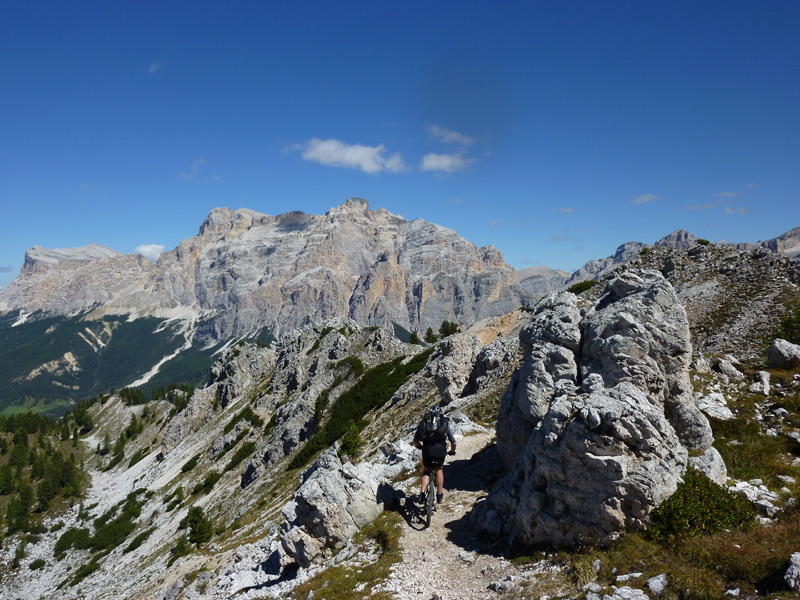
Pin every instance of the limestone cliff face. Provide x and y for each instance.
(246, 270)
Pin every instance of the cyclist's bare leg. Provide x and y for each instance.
(439, 480)
(426, 475)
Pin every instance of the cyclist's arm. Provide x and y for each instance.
(451, 438)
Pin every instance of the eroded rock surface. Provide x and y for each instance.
(597, 423)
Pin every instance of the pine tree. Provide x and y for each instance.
(414, 338)
(430, 337)
(200, 527)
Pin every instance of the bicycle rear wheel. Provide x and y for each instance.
(429, 500)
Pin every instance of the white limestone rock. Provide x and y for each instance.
(715, 406)
(783, 354)
(726, 367)
(792, 575)
(761, 384)
(334, 501)
(591, 462)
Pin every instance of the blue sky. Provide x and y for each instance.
(553, 130)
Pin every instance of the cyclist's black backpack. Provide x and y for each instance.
(434, 427)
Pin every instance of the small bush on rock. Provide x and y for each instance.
(582, 286)
(699, 507)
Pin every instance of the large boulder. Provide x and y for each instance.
(451, 364)
(596, 424)
(783, 355)
(334, 501)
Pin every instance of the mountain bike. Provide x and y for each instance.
(430, 499)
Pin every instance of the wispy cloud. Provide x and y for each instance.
(6, 269)
(738, 194)
(195, 169)
(446, 163)
(150, 251)
(156, 66)
(498, 222)
(568, 210)
(456, 201)
(336, 153)
(558, 239)
(645, 199)
(450, 137)
(739, 210)
(706, 206)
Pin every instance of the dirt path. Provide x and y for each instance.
(448, 561)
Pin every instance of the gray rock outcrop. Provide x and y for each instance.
(451, 364)
(783, 354)
(596, 424)
(334, 501)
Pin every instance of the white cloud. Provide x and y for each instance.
(645, 199)
(729, 194)
(445, 163)
(150, 251)
(498, 222)
(156, 66)
(568, 210)
(450, 137)
(335, 153)
(195, 168)
(706, 206)
(6, 269)
(741, 210)
(456, 201)
(559, 239)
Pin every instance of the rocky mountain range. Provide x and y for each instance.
(245, 271)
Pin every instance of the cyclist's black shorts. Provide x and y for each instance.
(433, 455)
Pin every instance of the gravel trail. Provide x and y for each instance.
(449, 561)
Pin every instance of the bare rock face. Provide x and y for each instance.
(596, 423)
(451, 364)
(246, 270)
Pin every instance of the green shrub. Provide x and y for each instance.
(645, 251)
(582, 286)
(200, 527)
(182, 548)
(789, 327)
(138, 540)
(244, 451)
(84, 571)
(37, 564)
(137, 457)
(703, 242)
(448, 328)
(351, 442)
(355, 364)
(247, 414)
(190, 464)
(207, 484)
(374, 389)
(699, 507)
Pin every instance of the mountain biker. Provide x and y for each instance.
(432, 435)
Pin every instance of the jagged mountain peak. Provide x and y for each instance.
(680, 239)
